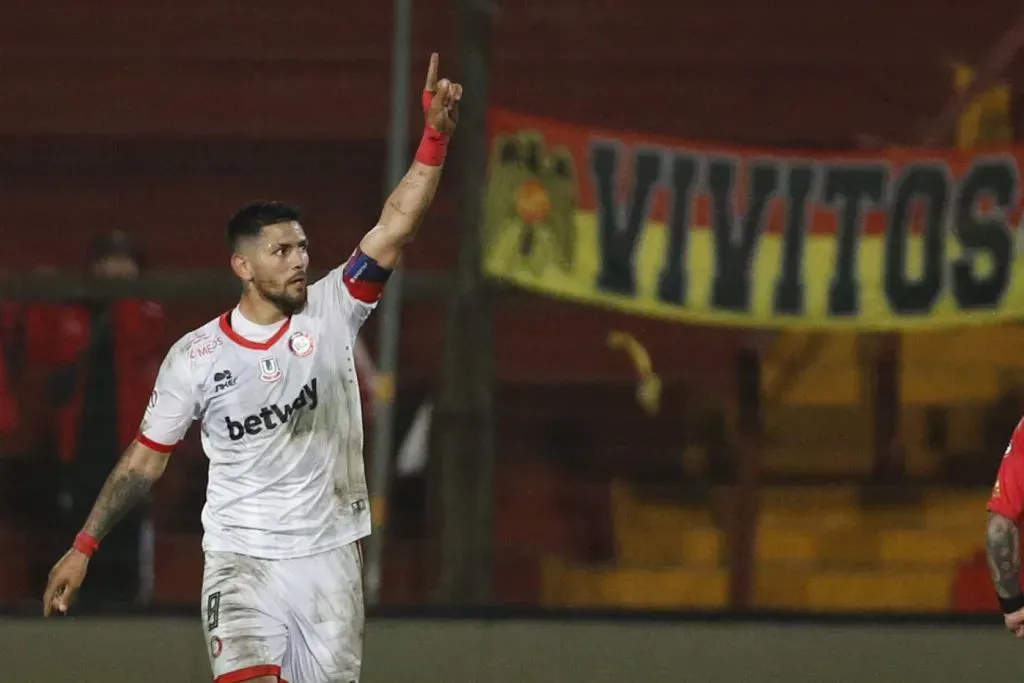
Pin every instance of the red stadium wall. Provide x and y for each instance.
(742, 71)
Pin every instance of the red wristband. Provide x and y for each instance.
(86, 544)
(433, 147)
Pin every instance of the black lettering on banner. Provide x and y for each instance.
(929, 183)
(789, 289)
(213, 611)
(673, 283)
(995, 179)
(734, 249)
(852, 189)
(618, 242)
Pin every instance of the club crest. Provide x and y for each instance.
(269, 369)
(301, 344)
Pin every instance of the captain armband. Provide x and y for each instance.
(364, 277)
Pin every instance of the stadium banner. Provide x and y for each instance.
(883, 239)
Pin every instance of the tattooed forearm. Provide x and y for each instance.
(402, 214)
(408, 197)
(1003, 545)
(126, 486)
(410, 200)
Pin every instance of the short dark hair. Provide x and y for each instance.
(250, 220)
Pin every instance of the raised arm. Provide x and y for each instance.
(407, 204)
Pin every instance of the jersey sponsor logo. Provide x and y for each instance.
(200, 349)
(269, 369)
(224, 381)
(273, 416)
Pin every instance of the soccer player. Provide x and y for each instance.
(273, 384)
(1006, 509)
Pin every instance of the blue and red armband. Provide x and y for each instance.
(364, 277)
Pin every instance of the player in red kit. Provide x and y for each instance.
(1002, 541)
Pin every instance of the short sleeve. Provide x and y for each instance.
(349, 299)
(172, 405)
(1007, 497)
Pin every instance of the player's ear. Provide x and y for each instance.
(240, 264)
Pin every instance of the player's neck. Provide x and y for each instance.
(260, 311)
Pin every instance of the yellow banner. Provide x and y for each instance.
(898, 239)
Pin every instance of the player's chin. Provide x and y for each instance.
(290, 300)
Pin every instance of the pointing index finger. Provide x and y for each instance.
(48, 597)
(431, 84)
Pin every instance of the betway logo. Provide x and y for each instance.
(273, 416)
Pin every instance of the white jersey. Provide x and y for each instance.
(281, 426)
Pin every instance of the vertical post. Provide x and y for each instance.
(745, 507)
(463, 415)
(391, 304)
(889, 461)
(475, 36)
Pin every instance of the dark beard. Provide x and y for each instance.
(286, 304)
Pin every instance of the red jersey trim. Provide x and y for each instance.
(225, 327)
(249, 673)
(154, 445)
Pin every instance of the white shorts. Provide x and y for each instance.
(300, 620)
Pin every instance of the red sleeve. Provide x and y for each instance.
(1008, 494)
